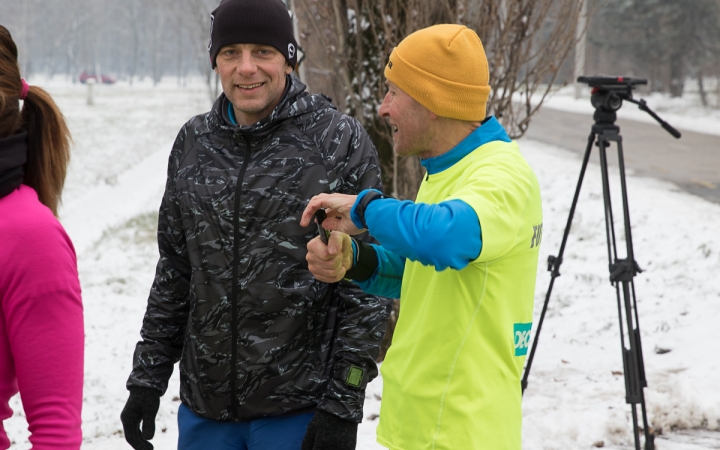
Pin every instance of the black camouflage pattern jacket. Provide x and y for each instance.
(233, 300)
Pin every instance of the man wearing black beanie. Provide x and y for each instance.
(270, 358)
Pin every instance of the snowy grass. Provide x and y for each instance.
(576, 393)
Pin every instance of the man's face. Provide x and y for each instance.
(410, 121)
(253, 79)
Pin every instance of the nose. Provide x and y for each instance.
(246, 64)
(385, 107)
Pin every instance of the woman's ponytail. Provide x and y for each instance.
(48, 143)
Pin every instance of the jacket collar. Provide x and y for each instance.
(13, 156)
(489, 131)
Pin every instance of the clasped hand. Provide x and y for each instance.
(330, 263)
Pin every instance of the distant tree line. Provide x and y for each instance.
(665, 41)
(130, 39)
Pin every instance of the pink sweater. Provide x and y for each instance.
(41, 323)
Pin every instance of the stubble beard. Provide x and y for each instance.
(418, 147)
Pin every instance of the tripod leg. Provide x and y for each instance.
(622, 272)
(634, 370)
(649, 437)
(554, 262)
(631, 305)
(603, 144)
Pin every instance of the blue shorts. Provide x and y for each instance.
(272, 433)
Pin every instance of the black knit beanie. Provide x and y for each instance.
(265, 22)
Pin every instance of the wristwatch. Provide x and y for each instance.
(365, 200)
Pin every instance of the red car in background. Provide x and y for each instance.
(86, 75)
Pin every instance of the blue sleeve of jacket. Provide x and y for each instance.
(386, 281)
(444, 235)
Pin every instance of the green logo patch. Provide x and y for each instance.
(521, 333)
(355, 376)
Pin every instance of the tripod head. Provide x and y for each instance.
(608, 94)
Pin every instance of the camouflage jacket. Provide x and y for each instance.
(233, 300)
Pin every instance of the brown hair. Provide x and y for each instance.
(48, 143)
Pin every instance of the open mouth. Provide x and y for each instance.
(394, 128)
(249, 86)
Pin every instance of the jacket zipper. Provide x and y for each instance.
(235, 276)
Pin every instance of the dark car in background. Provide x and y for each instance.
(87, 74)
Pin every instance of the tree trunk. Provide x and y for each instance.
(701, 89)
(409, 176)
(677, 76)
(389, 331)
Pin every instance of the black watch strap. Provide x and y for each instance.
(366, 264)
(365, 201)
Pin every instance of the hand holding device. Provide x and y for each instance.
(320, 216)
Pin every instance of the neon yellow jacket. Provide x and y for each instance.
(451, 379)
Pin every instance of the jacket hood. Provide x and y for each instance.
(295, 102)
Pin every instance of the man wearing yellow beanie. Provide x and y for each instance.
(462, 258)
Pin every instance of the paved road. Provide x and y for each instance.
(691, 162)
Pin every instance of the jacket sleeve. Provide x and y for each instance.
(386, 280)
(167, 309)
(444, 235)
(362, 318)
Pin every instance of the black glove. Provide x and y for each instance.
(142, 406)
(328, 432)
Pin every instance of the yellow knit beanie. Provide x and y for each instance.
(444, 68)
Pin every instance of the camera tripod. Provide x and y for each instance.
(607, 96)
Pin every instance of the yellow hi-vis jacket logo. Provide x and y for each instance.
(521, 333)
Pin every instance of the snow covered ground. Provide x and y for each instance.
(576, 394)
